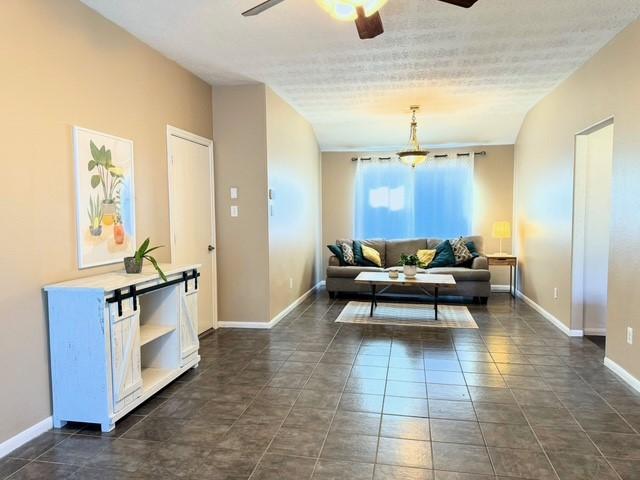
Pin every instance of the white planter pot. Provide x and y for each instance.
(410, 271)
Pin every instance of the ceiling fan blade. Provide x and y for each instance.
(261, 8)
(461, 3)
(368, 27)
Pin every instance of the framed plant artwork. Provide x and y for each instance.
(105, 201)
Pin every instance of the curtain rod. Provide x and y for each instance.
(445, 155)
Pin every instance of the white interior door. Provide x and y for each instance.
(192, 215)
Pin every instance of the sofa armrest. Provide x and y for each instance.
(333, 261)
(480, 263)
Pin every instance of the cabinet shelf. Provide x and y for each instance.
(149, 332)
(153, 376)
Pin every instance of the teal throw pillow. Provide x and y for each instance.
(444, 256)
(337, 251)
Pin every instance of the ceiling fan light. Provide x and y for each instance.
(345, 10)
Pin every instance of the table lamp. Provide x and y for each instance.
(501, 230)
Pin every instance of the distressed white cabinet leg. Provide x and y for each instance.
(57, 423)
(107, 426)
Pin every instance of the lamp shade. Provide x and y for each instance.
(501, 229)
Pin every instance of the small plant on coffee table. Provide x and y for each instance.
(411, 260)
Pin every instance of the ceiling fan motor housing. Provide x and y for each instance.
(368, 27)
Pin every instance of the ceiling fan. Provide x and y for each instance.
(364, 12)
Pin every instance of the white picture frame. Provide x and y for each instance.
(105, 197)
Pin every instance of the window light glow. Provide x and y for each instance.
(345, 10)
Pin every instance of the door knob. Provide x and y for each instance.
(211, 248)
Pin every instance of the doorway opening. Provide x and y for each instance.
(591, 229)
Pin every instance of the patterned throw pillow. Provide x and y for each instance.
(347, 253)
(460, 251)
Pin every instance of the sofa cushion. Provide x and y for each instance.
(461, 274)
(350, 272)
(396, 248)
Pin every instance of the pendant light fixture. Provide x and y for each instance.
(413, 155)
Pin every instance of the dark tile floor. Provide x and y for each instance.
(312, 399)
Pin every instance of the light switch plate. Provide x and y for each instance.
(234, 211)
(233, 192)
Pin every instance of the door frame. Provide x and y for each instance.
(205, 142)
(578, 241)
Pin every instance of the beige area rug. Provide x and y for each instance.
(408, 314)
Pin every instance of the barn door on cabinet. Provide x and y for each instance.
(189, 342)
(126, 370)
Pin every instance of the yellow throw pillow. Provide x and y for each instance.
(426, 257)
(372, 255)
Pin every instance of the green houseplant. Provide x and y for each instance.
(410, 265)
(134, 264)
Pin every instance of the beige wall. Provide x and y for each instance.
(64, 65)
(240, 142)
(606, 86)
(294, 218)
(262, 143)
(493, 196)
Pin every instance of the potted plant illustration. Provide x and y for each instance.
(134, 264)
(118, 230)
(410, 265)
(95, 216)
(108, 176)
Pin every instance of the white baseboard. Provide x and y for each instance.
(501, 288)
(599, 332)
(274, 321)
(632, 381)
(23, 437)
(552, 319)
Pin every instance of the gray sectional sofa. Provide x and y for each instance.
(473, 281)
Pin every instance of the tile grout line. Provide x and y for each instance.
(256, 468)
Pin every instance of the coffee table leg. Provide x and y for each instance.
(435, 303)
(373, 299)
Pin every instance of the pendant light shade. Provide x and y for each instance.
(413, 155)
(346, 10)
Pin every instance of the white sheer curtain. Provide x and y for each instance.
(434, 199)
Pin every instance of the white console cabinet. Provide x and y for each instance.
(117, 339)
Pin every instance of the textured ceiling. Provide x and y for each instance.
(475, 72)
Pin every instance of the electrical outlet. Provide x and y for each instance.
(555, 293)
(291, 283)
(630, 335)
(234, 211)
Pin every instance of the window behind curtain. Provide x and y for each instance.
(434, 199)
